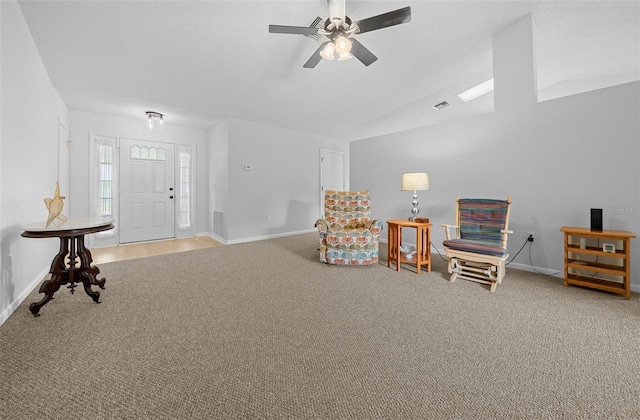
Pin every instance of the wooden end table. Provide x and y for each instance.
(423, 243)
(71, 234)
(594, 259)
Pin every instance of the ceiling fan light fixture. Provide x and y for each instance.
(343, 45)
(338, 27)
(328, 51)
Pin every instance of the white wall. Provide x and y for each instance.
(283, 184)
(83, 122)
(557, 159)
(571, 154)
(31, 110)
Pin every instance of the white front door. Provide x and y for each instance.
(146, 191)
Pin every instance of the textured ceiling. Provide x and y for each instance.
(201, 62)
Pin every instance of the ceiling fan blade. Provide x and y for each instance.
(298, 30)
(361, 52)
(315, 58)
(384, 20)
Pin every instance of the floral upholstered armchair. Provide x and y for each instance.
(348, 236)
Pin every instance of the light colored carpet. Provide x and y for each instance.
(263, 330)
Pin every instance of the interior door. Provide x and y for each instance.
(146, 191)
(63, 165)
(331, 173)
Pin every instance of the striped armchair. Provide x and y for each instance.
(348, 236)
(478, 250)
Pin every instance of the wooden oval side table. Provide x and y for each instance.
(71, 234)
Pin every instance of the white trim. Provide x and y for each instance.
(213, 236)
(94, 139)
(539, 270)
(17, 301)
(262, 238)
(63, 172)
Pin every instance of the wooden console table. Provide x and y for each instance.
(423, 244)
(71, 234)
(617, 264)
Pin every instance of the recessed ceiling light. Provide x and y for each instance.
(476, 91)
(441, 105)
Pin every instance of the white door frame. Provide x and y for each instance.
(114, 238)
(63, 163)
(110, 237)
(324, 179)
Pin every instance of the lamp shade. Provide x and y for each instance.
(415, 181)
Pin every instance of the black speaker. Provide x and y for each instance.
(596, 220)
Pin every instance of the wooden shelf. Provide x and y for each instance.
(616, 270)
(592, 250)
(601, 284)
(574, 253)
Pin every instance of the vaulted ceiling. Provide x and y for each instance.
(200, 62)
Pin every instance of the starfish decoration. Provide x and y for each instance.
(55, 206)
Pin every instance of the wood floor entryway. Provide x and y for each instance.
(148, 249)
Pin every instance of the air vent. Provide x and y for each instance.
(218, 223)
(441, 105)
(317, 23)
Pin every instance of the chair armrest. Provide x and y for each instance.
(504, 237)
(375, 226)
(447, 230)
(322, 225)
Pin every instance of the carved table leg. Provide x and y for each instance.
(86, 272)
(72, 264)
(85, 262)
(59, 276)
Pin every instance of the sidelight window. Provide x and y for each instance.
(184, 191)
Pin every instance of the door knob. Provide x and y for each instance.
(171, 197)
(170, 188)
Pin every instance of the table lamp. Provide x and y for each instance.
(416, 181)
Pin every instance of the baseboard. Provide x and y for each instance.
(539, 270)
(213, 236)
(255, 238)
(17, 301)
(277, 235)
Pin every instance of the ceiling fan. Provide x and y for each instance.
(339, 29)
